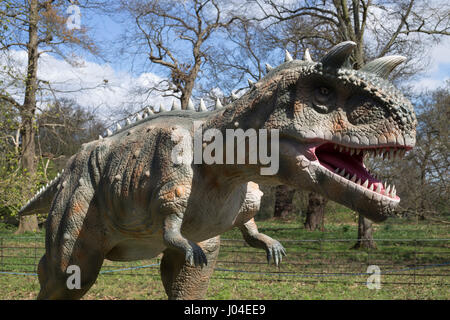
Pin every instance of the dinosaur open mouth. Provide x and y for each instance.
(348, 163)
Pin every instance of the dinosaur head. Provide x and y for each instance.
(330, 119)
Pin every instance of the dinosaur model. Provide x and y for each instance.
(123, 197)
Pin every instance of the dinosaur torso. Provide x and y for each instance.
(135, 181)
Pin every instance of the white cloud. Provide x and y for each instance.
(439, 70)
(440, 54)
(85, 84)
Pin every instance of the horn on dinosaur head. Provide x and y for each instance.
(337, 55)
(190, 105)
(383, 66)
(287, 56)
(218, 104)
(202, 106)
(307, 56)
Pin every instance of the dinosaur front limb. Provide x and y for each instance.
(255, 239)
(173, 238)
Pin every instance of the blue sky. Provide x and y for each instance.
(107, 31)
(125, 73)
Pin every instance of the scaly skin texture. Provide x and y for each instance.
(124, 198)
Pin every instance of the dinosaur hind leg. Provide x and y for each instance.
(183, 281)
(73, 248)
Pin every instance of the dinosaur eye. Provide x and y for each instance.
(322, 99)
(324, 91)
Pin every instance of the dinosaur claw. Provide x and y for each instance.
(195, 256)
(276, 252)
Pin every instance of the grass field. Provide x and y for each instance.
(319, 265)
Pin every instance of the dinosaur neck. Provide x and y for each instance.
(231, 140)
(248, 112)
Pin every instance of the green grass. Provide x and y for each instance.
(304, 273)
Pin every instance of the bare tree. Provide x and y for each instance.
(176, 36)
(423, 179)
(38, 27)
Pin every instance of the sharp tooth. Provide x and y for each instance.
(337, 170)
(342, 172)
(354, 178)
(358, 151)
(359, 181)
(335, 146)
(352, 151)
(347, 176)
(340, 148)
(366, 183)
(393, 192)
(388, 190)
(392, 154)
(378, 188)
(372, 186)
(385, 185)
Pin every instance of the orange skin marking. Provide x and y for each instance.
(339, 125)
(77, 208)
(179, 191)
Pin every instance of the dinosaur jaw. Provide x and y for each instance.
(347, 166)
(338, 172)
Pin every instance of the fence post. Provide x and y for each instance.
(321, 254)
(1, 254)
(415, 259)
(35, 254)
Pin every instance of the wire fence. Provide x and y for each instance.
(400, 261)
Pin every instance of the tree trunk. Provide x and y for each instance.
(27, 112)
(315, 213)
(283, 201)
(365, 234)
(28, 224)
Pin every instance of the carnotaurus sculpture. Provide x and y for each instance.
(123, 198)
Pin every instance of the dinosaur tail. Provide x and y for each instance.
(42, 200)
